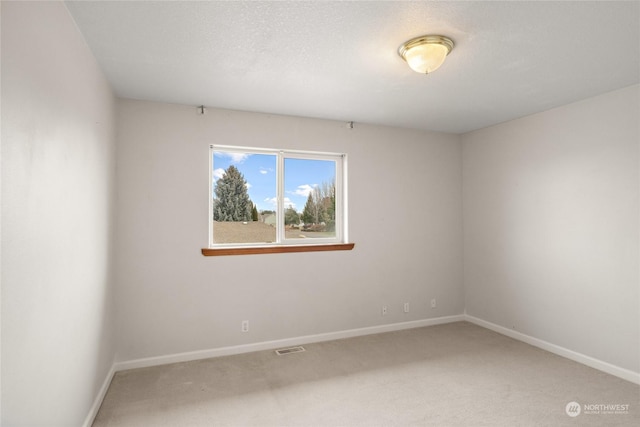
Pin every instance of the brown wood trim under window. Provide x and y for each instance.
(276, 249)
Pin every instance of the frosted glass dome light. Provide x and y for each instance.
(425, 54)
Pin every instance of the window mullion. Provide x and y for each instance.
(339, 195)
(280, 198)
(211, 187)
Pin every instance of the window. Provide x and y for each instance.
(272, 198)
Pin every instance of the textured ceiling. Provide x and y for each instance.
(338, 60)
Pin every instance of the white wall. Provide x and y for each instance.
(58, 181)
(405, 208)
(551, 226)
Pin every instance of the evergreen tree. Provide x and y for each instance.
(231, 202)
(309, 212)
(254, 213)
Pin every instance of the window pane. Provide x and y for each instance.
(244, 197)
(310, 198)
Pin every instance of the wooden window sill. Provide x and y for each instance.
(276, 249)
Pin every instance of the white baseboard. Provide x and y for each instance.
(287, 342)
(99, 398)
(617, 371)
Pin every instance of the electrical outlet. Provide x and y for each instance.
(433, 303)
(384, 310)
(245, 326)
(406, 307)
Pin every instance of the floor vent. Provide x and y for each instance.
(289, 350)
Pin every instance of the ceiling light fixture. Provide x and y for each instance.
(425, 54)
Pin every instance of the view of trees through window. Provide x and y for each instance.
(245, 197)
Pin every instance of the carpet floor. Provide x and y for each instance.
(456, 374)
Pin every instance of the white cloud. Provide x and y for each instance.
(247, 185)
(218, 173)
(239, 157)
(304, 190)
(236, 158)
(265, 171)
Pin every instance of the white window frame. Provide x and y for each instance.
(340, 160)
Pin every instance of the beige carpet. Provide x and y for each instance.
(456, 374)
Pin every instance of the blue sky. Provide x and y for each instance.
(259, 170)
